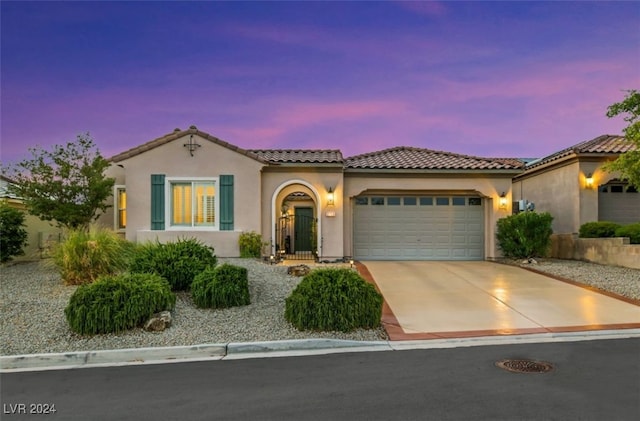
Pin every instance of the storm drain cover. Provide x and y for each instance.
(525, 366)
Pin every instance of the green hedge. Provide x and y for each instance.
(116, 303)
(334, 300)
(220, 287)
(599, 229)
(178, 262)
(524, 235)
(632, 231)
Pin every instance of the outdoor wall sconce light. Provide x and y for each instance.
(191, 145)
(330, 197)
(588, 181)
(502, 203)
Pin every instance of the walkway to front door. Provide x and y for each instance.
(428, 300)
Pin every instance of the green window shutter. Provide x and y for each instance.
(157, 201)
(226, 202)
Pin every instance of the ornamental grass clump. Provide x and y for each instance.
(178, 262)
(334, 300)
(116, 303)
(221, 287)
(84, 256)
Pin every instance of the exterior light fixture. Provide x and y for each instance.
(589, 181)
(191, 145)
(330, 197)
(351, 262)
(502, 203)
(272, 259)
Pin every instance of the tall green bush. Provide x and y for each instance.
(221, 287)
(84, 256)
(178, 262)
(13, 236)
(250, 244)
(598, 229)
(524, 235)
(632, 231)
(116, 303)
(334, 300)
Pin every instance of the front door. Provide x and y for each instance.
(303, 229)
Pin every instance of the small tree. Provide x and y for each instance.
(628, 164)
(66, 184)
(13, 236)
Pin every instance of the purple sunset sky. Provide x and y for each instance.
(511, 79)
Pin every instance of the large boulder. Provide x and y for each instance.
(298, 270)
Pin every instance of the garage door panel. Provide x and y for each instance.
(422, 230)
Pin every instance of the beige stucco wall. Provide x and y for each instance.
(173, 160)
(489, 186)
(561, 190)
(278, 182)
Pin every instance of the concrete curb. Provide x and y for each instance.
(286, 348)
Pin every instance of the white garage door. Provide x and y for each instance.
(418, 228)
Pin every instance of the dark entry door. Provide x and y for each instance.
(303, 229)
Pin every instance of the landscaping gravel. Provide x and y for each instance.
(33, 298)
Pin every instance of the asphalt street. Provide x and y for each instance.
(590, 380)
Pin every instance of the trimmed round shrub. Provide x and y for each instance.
(116, 303)
(599, 229)
(221, 287)
(632, 231)
(334, 300)
(13, 236)
(178, 262)
(84, 256)
(524, 235)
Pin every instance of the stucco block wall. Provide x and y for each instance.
(487, 186)
(605, 251)
(173, 160)
(41, 235)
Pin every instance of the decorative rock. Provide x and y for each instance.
(298, 270)
(159, 322)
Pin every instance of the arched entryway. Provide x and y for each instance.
(296, 222)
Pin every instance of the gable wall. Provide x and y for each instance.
(173, 160)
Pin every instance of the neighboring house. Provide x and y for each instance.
(402, 203)
(573, 187)
(40, 234)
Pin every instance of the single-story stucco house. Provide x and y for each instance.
(399, 203)
(572, 185)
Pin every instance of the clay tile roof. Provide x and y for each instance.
(404, 157)
(300, 156)
(176, 134)
(605, 144)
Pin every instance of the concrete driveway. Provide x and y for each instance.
(425, 300)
